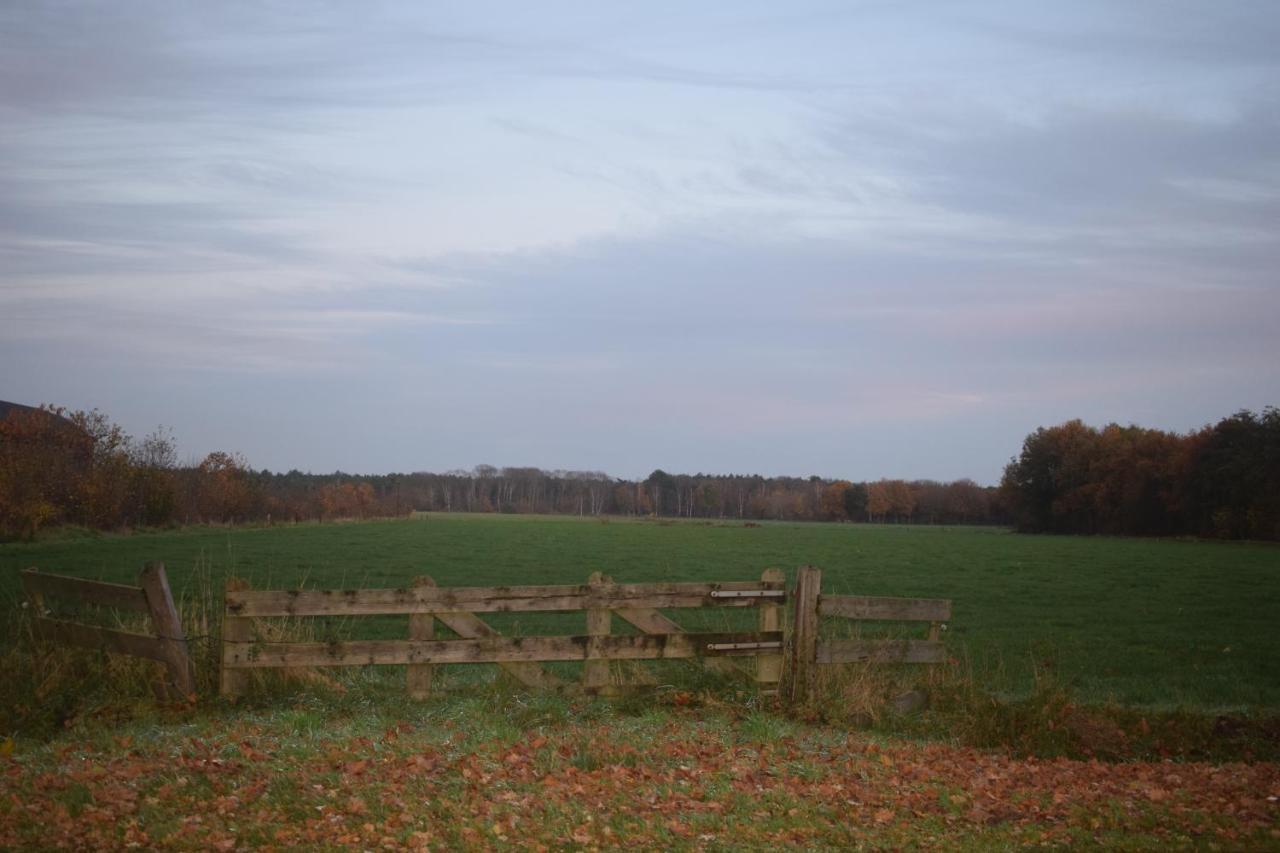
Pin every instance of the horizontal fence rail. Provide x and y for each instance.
(166, 643)
(885, 609)
(880, 651)
(497, 599)
(497, 649)
(808, 650)
(244, 649)
(117, 596)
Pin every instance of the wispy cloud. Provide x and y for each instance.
(718, 236)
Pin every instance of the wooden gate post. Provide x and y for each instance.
(804, 635)
(421, 627)
(769, 664)
(168, 628)
(595, 672)
(235, 629)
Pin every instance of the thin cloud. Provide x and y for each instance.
(716, 237)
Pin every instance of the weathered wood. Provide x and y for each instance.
(101, 593)
(93, 637)
(528, 673)
(804, 634)
(168, 628)
(769, 664)
(237, 633)
(421, 627)
(497, 649)
(497, 599)
(880, 651)
(595, 672)
(34, 595)
(648, 620)
(885, 608)
(652, 622)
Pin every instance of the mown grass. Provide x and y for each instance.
(1145, 623)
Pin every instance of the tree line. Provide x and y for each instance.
(78, 468)
(1222, 481)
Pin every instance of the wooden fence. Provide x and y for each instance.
(808, 650)
(166, 643)
(247, 644)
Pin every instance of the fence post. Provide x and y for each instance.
(804, 635)
(769, 664)
(35, 597)
(168, 627)
(421, 627)
(595, 672)
(237, 629)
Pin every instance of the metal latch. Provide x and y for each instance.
(737, 647)
(748, 593)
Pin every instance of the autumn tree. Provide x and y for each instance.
(225, 490)
(834, 500)
(44, 463)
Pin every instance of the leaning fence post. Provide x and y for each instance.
(804, 634)
(421, 627)
(168, 627)
(34, 596)
(595, 672)
(235, 629)
(769, 664)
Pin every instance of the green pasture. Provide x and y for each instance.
(1134, 621)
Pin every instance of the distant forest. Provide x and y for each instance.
(78, 468)
(1220, 482)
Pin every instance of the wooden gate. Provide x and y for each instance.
(246, 647)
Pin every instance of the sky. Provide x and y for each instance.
(853, 239)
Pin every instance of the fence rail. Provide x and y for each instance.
(166, 643)
(496, 599)
(808, 651)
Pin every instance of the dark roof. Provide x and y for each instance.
(6, 407)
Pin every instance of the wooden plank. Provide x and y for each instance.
(804, 634)
(168, 628)
(421, 627)
(167, 625)
(881, 651)
(652, 622)
(496, 649)
(595, 672)
(885, 608)
(237, 633)
(93, 637)
(530, 674)
(769, 664)
(34, 596)
(499, 599)
(101, 593)
(649, 620)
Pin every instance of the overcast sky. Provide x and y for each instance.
(878, 239)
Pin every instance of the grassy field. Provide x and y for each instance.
(88, 761)
(1136, 622)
